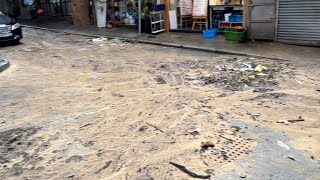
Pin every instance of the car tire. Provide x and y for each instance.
(16, 42)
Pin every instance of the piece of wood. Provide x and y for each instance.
(167, 16)
(154, 127)
(297, 120)
(192, 174)
(104, 167)
(226, 138)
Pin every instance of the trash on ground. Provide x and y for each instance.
(229, 140)
(192, 174)
(83, 49)
(292, 158)
(206, 145)
(243, 176)
(194, 132)
(235, 128)
(280, 143)
(241, 75)
(94, 78)
(255, 117)
(224, 155)
(157, 128)
(260, 68)
(263, 89)
(104, 167)
(287, 122)
(101, 39)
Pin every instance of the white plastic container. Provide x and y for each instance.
(226, 17)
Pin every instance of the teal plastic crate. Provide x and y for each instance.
(233, 34)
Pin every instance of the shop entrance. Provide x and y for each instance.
(215, 14)
(55, 7)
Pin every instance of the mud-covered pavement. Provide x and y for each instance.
(74, 109)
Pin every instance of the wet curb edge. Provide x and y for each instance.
(162, 44)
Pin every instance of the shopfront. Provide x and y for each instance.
(299, 22)
(125, 14)
(176, 15)
(198, 15)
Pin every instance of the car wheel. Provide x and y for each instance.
(16, 42)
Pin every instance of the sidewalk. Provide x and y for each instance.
(191, 40)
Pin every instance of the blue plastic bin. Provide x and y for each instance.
(235, 18)
(210, 33)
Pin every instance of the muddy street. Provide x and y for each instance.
(76, 109)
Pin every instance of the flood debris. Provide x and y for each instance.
(190, 173)
(235, 128)
(75, 158)
(243, 176)
(104, 167)
(195, 132)
(242, 75)
(206, 145)
(101, 39)
(292, 158)
(263, 89)
(230, 140)
(256, 117)
(287, 122)
(155, 127)
(269, 96)
(86, 125)
(224, 155)
(260, 68)
(280, 143)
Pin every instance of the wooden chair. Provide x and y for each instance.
(203, 20)
(185, 20)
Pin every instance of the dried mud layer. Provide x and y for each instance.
(75, 109)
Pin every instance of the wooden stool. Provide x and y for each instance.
(200, 21)
(185, 20)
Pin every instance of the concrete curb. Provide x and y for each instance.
(196, 48)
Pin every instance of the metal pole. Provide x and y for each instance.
(139, 11)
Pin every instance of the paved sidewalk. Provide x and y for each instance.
(191, 41)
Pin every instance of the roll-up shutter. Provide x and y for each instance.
(299, 21)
